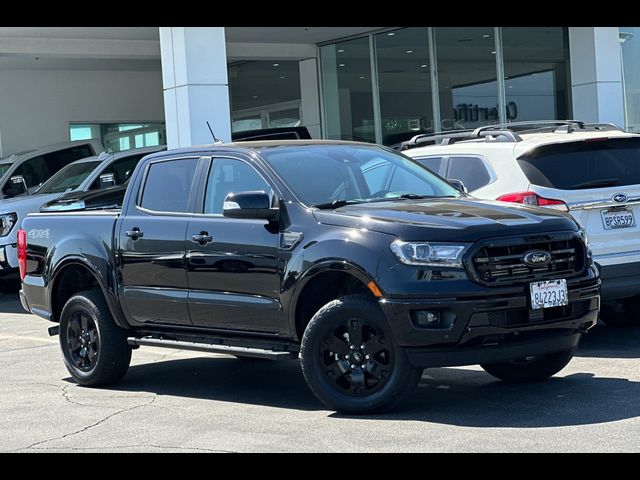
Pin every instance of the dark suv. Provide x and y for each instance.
(352, 256)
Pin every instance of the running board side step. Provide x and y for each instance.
(210, 348)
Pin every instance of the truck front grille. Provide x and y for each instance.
(499, 262)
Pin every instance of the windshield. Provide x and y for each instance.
(69, 178)
(598, 163)
(3, 168)
(320, 175)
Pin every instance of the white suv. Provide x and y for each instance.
(589, 170)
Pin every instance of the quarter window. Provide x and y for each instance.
(168, 185)
(471, 171)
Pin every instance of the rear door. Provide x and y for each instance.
(599, 180)
(151, 239)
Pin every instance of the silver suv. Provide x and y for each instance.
(591, 171)
(22, 172)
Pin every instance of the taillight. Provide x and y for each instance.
(22, 253)
(532, 198)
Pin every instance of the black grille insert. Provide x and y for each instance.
(503, 262)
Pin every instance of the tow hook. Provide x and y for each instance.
(53, 331)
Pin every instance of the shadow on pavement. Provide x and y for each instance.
(455, 397)
(452, 396)
(610, 342)
(269, 383)
(10, 303)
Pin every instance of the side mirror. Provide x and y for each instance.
(254, 205)
(458, 184)
(16, 186)
(107, 180)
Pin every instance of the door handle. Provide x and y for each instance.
(134, 234)
(202, 238)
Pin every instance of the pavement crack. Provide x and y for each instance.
(123, 447)
(88, 427)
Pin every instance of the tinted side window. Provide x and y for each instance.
(56, 160)
(121, 170)
(230, 176)
(432, 163)
(472, 171)
(34, 171)
(168, 185)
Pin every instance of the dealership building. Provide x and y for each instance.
(138, 86)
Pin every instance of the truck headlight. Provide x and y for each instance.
(430, 254)
(7, 221)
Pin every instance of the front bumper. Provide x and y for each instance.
(493, 327)
(619, 281)
(451, 357)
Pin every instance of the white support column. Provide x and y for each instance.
(596, 74)
(310, 100)
(195, 84)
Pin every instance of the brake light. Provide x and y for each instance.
(532, 198)
(22, 253)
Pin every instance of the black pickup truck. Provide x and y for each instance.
(350, 256)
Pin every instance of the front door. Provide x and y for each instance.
(232, 264)
(152, 245)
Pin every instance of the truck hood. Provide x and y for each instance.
(447, 219)
(25, 204)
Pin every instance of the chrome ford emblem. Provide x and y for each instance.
(536, 258)
(620, 198)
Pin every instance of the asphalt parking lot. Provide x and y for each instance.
(180, 401)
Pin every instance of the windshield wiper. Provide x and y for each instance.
(336, 204)
(604, 182)
(409, 196)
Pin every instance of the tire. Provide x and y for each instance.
(383, 375)
(108, 355)
(624, 314)
(535, 370)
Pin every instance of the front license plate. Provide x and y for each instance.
(549, 294)
(614, 219)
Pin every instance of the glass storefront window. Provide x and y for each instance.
(536, 63)
(525, 72)
(347, 93)
(630, 45)
(466, 62)
(404, 84)
(264, 94)
(117, 137)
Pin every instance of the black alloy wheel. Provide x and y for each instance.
(83, 341)
(357, 358)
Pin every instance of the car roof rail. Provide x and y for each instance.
(500, 135)
(442, 138)
(604, 127)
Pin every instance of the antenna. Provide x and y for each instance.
(215, 140)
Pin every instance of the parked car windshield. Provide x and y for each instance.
(599, 163)
(68, 178)
(322, 175)
(3, 168)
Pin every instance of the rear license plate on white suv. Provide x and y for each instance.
(614, 219)
(549, 294)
